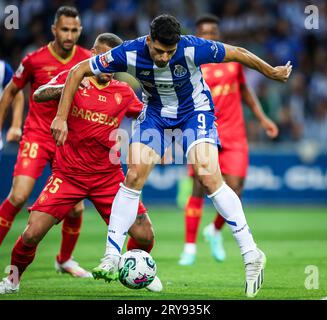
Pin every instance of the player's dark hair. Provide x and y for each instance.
(207, 18)
(166, 29)
(66, 11)
(109, 39)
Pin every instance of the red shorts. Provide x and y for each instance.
(233, 160)
(63, 192)
(33, 156)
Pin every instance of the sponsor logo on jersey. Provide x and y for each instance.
(161, 85)
(102, 98)
(97, 117)
(179, 71)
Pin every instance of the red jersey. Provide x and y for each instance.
(95, 113)
(38, 68)
(224, 81)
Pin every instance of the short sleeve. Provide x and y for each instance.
(207, 51)
(109, 62)
(134, 105)
(241, 75)
(8, 74)
(24, 73)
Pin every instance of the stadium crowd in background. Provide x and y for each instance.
(274, 30)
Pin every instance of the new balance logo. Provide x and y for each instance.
(144, 73)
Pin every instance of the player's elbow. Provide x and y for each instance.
(37, 96)
(79, 71)
(235, 54)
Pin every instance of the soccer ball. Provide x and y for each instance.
(136, 269)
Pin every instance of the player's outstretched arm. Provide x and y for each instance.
(7, 98)
(247, 58)
(15, 132)
(59, 125)
(48, 92)
(252, 101)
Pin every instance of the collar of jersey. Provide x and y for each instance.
(60, 59)
(97, 85)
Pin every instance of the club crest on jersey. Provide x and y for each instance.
(179, 71)
(118, 98)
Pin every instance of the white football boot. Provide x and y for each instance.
(155, 285)
(254, 273)
(108, 268)
(7, 287)
(73, 268)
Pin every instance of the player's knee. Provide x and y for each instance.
(146, 238)
(142, 230)
(197, 190)
(210, 182)
(77, 211)
(134, 179)
(31, 236)
(18, 199)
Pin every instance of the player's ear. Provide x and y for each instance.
(148, 39)
(80, 29)
(53, 30)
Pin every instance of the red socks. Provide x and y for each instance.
(22, 256)
(7, 216)
(193, 213)
(70, 232)
(219, 222)
(133, 244)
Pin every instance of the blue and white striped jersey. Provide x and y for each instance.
(175, 90)
(6, 74)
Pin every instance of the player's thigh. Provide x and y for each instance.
(39, 223)
(149, 131)
(33, 156)
(141, 160)
(59, 196)
(22, 187)
(204, 158)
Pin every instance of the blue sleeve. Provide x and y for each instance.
(109, 62)
(8, 74)
(207, 51)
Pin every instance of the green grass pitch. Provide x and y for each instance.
(292, 238)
